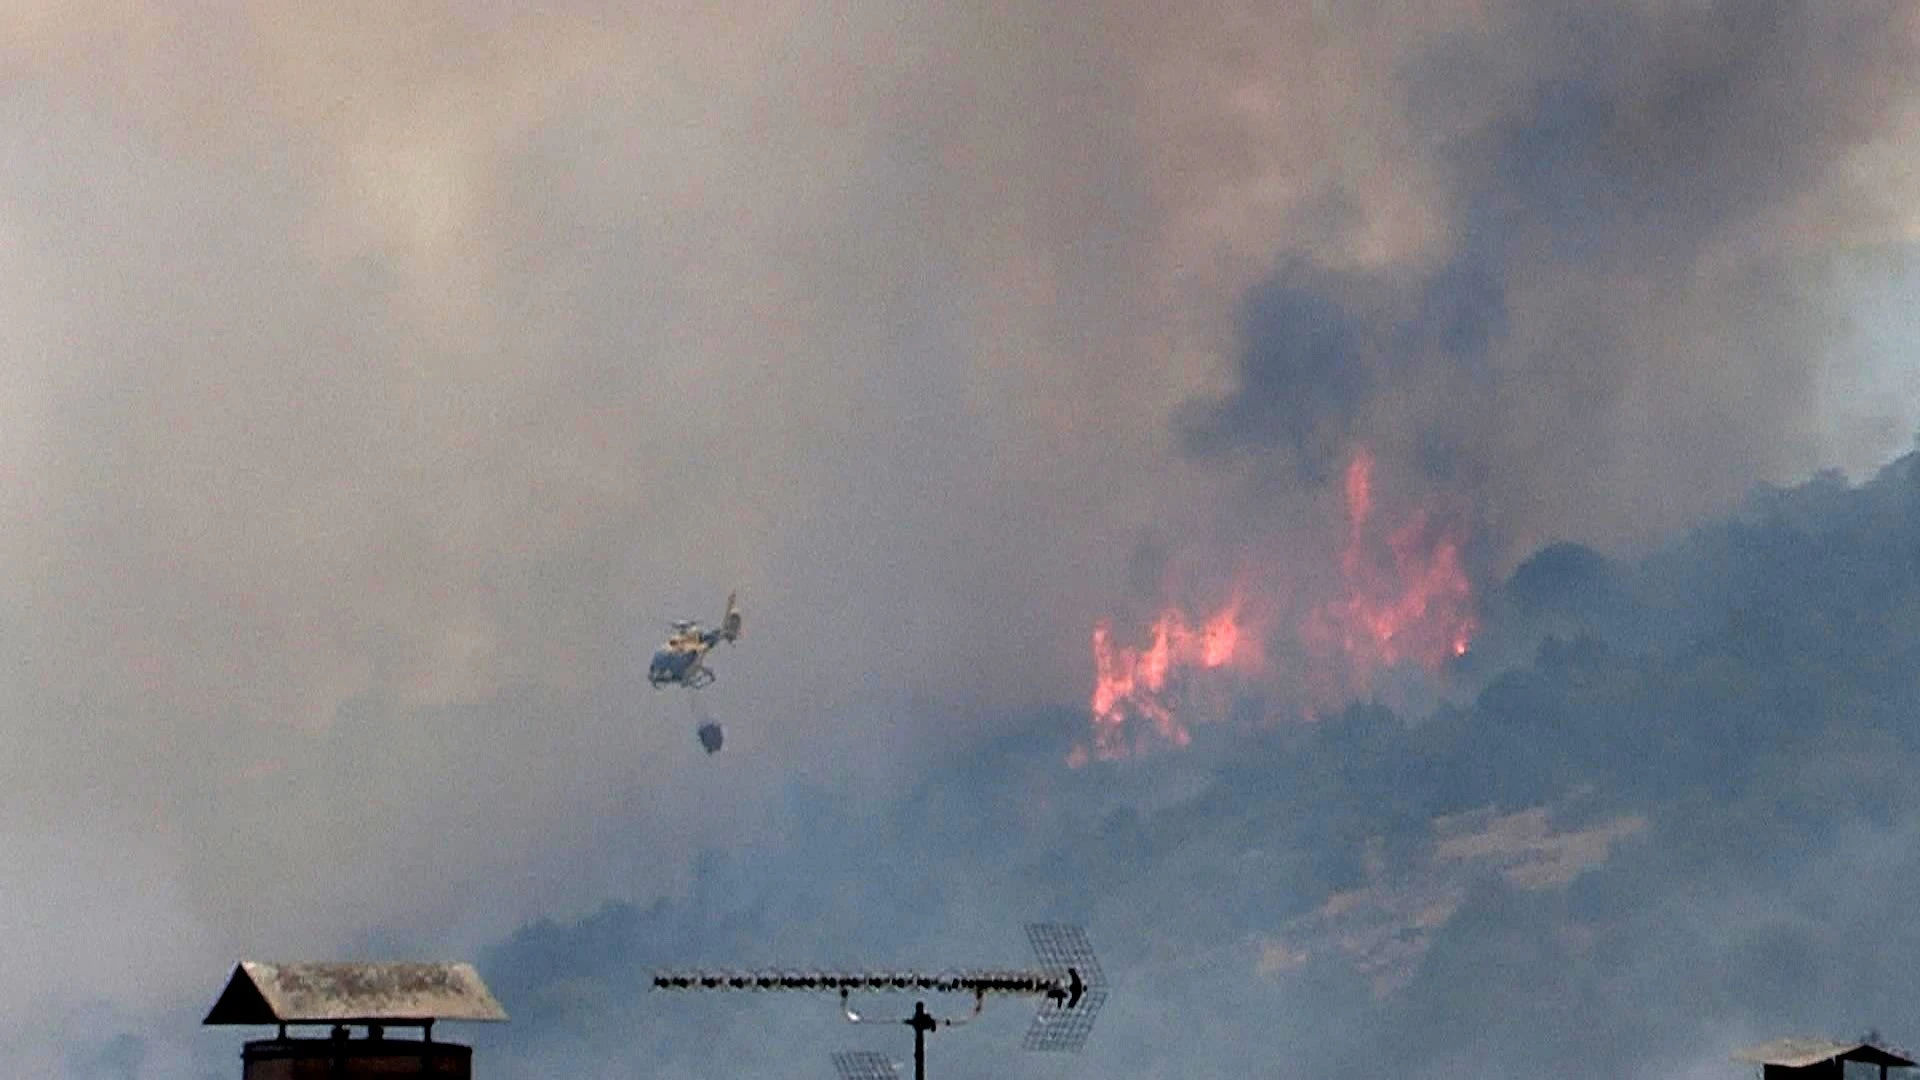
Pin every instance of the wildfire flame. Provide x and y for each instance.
(1410, 602)
(1406, 598)
(1143, 683)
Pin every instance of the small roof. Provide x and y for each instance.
(399, 994)
(1799, 1053)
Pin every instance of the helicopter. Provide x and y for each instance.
(682, 660)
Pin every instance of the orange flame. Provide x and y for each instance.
(1406, 598)
(1411, 602)
(1142, 684)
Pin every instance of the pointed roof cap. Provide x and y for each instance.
(398, 994)
(1800, 1053)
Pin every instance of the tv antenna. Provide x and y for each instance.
(1067, 979)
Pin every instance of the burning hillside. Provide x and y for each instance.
(1402, 598)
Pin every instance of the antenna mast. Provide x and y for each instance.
(1067, 978)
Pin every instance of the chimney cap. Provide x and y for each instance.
(399, 995)
(1800, 1053)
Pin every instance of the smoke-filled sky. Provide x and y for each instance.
(376, 381)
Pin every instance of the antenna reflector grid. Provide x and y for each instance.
(863, 1065)
(1058, 1029)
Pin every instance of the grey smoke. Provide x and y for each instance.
(1627, 326)
(1656, 840)
(374, 384)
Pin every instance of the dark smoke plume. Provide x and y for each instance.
(1628, 324)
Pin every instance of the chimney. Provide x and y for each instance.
(343, 997)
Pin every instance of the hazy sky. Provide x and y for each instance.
(377, 380)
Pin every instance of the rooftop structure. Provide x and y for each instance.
(394, 995)
(340, 996)
(1814, 1058)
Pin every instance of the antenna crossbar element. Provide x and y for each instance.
(1068, 979)
(1012, 983)
(864, 1065)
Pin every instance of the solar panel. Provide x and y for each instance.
(863, 1065)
